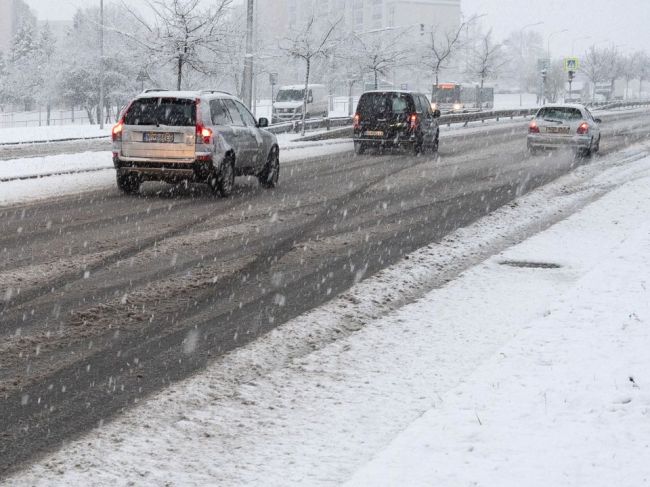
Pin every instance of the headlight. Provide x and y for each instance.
(434, 106)
(457, 106)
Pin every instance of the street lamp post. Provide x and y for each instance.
(248, 61)
(548, 57)
(521, 51)
(573, 43)
(100, 109)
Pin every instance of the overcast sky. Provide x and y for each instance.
(614, 22)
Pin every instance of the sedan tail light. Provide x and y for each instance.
(533, 128)
(356, 121)
(583, 129)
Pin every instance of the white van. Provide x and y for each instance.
(289, 101)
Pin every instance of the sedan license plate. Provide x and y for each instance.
(557, 130)
(158, 137)
(375, 133)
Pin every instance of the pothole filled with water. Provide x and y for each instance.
(524, 264)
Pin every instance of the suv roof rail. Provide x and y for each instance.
(153, 90)
(216, 91)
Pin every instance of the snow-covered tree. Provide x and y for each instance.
(308, 44)
(486, 59)
(181, 33)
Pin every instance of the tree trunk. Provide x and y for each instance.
(91, 118)
(48, 108)
(179, 82)
(306, 95)
(376, 80)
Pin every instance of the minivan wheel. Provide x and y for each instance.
(359, 148)
(223, 183)
(269, 176)
(128, 183)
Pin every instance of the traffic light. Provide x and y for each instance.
(572, 75)
(544, 75)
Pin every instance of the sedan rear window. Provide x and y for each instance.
(383, 104)
(559, 113)
(175, 112)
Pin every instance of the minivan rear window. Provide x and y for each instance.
(383, 104)
(559, 113)
(175, 112)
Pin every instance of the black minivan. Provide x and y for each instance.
(396, 119)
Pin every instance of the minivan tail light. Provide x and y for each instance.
(583, 128)
(533, 128)
(414, 120)
(356, 121)
(117, 131)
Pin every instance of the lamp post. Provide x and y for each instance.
(100, 109)
(548, 41)
(248, 61)
(547, 71)
(573, 43)
(521, 52)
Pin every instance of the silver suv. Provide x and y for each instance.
(206, 137)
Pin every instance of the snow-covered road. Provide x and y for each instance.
(503, 374)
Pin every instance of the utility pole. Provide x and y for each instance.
(248, 66)
(100, 109)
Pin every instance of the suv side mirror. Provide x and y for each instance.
(598, 120)
(263, 123)
(310, 99)
(436, 113)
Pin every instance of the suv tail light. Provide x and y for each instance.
(116, 133)
(356, 121)
(203, 134)
(414, 120)
(583, 128)
(533, 128)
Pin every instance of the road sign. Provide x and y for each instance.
(273, 79)
(571, 64)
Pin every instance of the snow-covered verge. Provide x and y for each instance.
(500, 375)
(52, 133)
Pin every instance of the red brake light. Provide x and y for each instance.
(356, 121)
(203, 135)
(415, 120)
(533, 128)
(117, 131)
(583, 128)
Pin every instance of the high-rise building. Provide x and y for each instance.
(12, 13)
(6, 24)
(276, 17)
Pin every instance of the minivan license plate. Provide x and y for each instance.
(158, 137)
(375, 133)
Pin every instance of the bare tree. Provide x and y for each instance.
(486, 59)
(309, 44)
(602, 65)
(442, 47)
(629, 71)
(379, 54)
(644, 69)
(181, 31)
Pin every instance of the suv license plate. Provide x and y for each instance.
(158, 137)
(374, 133)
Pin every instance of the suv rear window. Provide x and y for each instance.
(559, 113)
(175, 112)
(383, 104)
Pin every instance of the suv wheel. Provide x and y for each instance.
(269, 176)
(223, 183)
(128, 183)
